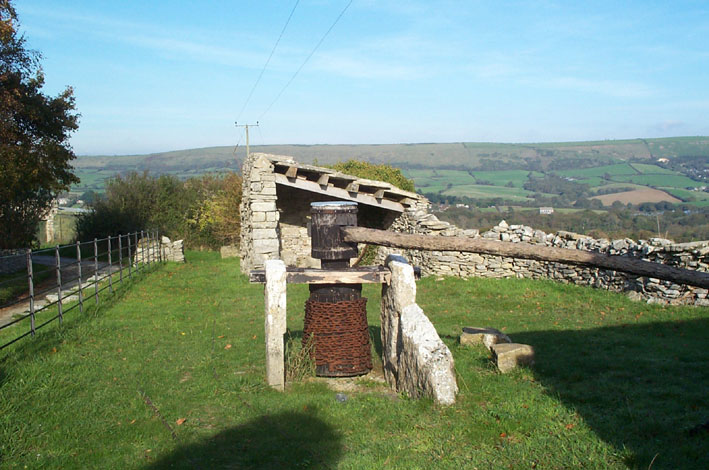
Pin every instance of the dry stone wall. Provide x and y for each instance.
(169, 251)
(693, 255)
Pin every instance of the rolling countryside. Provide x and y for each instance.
(629, 169)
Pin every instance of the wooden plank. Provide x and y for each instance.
(323, 179)
(379, 194)
(339, 193)
(292, 172)
(527, 251)
(358, 275)
(353, 187)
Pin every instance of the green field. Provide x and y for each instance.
(504, 177)
(164, 376)
(481, 191)
(599, 171)
(687, 195)
(668, 181)
(652, 169)
(619, 187)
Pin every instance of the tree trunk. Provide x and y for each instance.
(528, 251)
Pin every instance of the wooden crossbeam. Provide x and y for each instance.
(356, 275)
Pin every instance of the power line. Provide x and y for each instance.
(306, 59)
(253, 88)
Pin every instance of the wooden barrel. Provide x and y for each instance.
(326, 238)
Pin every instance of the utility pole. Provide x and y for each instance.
(246, 126)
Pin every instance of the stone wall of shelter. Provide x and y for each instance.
(259, 239)
(694, 255)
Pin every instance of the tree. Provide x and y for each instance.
(376, 172)
(34, 133)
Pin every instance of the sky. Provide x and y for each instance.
(152, 76)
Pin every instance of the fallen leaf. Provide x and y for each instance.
(253, 337)
(180, 421)
(503, 435)
(182, 333)
(132, 422)
(54, 350)
(220, 337)
(570, 426)
(228, 346)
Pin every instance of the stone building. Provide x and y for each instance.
(275, 207)
(275, 212)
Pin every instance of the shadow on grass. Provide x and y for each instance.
(285, 440)
(375, 334)
(641, 387)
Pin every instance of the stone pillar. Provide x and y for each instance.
(398, 294)
(259, 214)
(414, 358)
(275, 322)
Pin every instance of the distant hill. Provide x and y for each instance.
(461, 155)
(478, 170)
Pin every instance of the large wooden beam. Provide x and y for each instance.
(355, 275)
(527, 251)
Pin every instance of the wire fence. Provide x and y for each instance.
(56, 281)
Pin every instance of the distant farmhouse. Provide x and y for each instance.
(546, 210)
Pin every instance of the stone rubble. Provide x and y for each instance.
(486, 336)
(229, 251)
(507, 356)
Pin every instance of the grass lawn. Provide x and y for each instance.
(170, 374)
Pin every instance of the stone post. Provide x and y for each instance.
(275, 322)
(414, 358)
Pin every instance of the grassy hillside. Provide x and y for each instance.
(171, 375)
